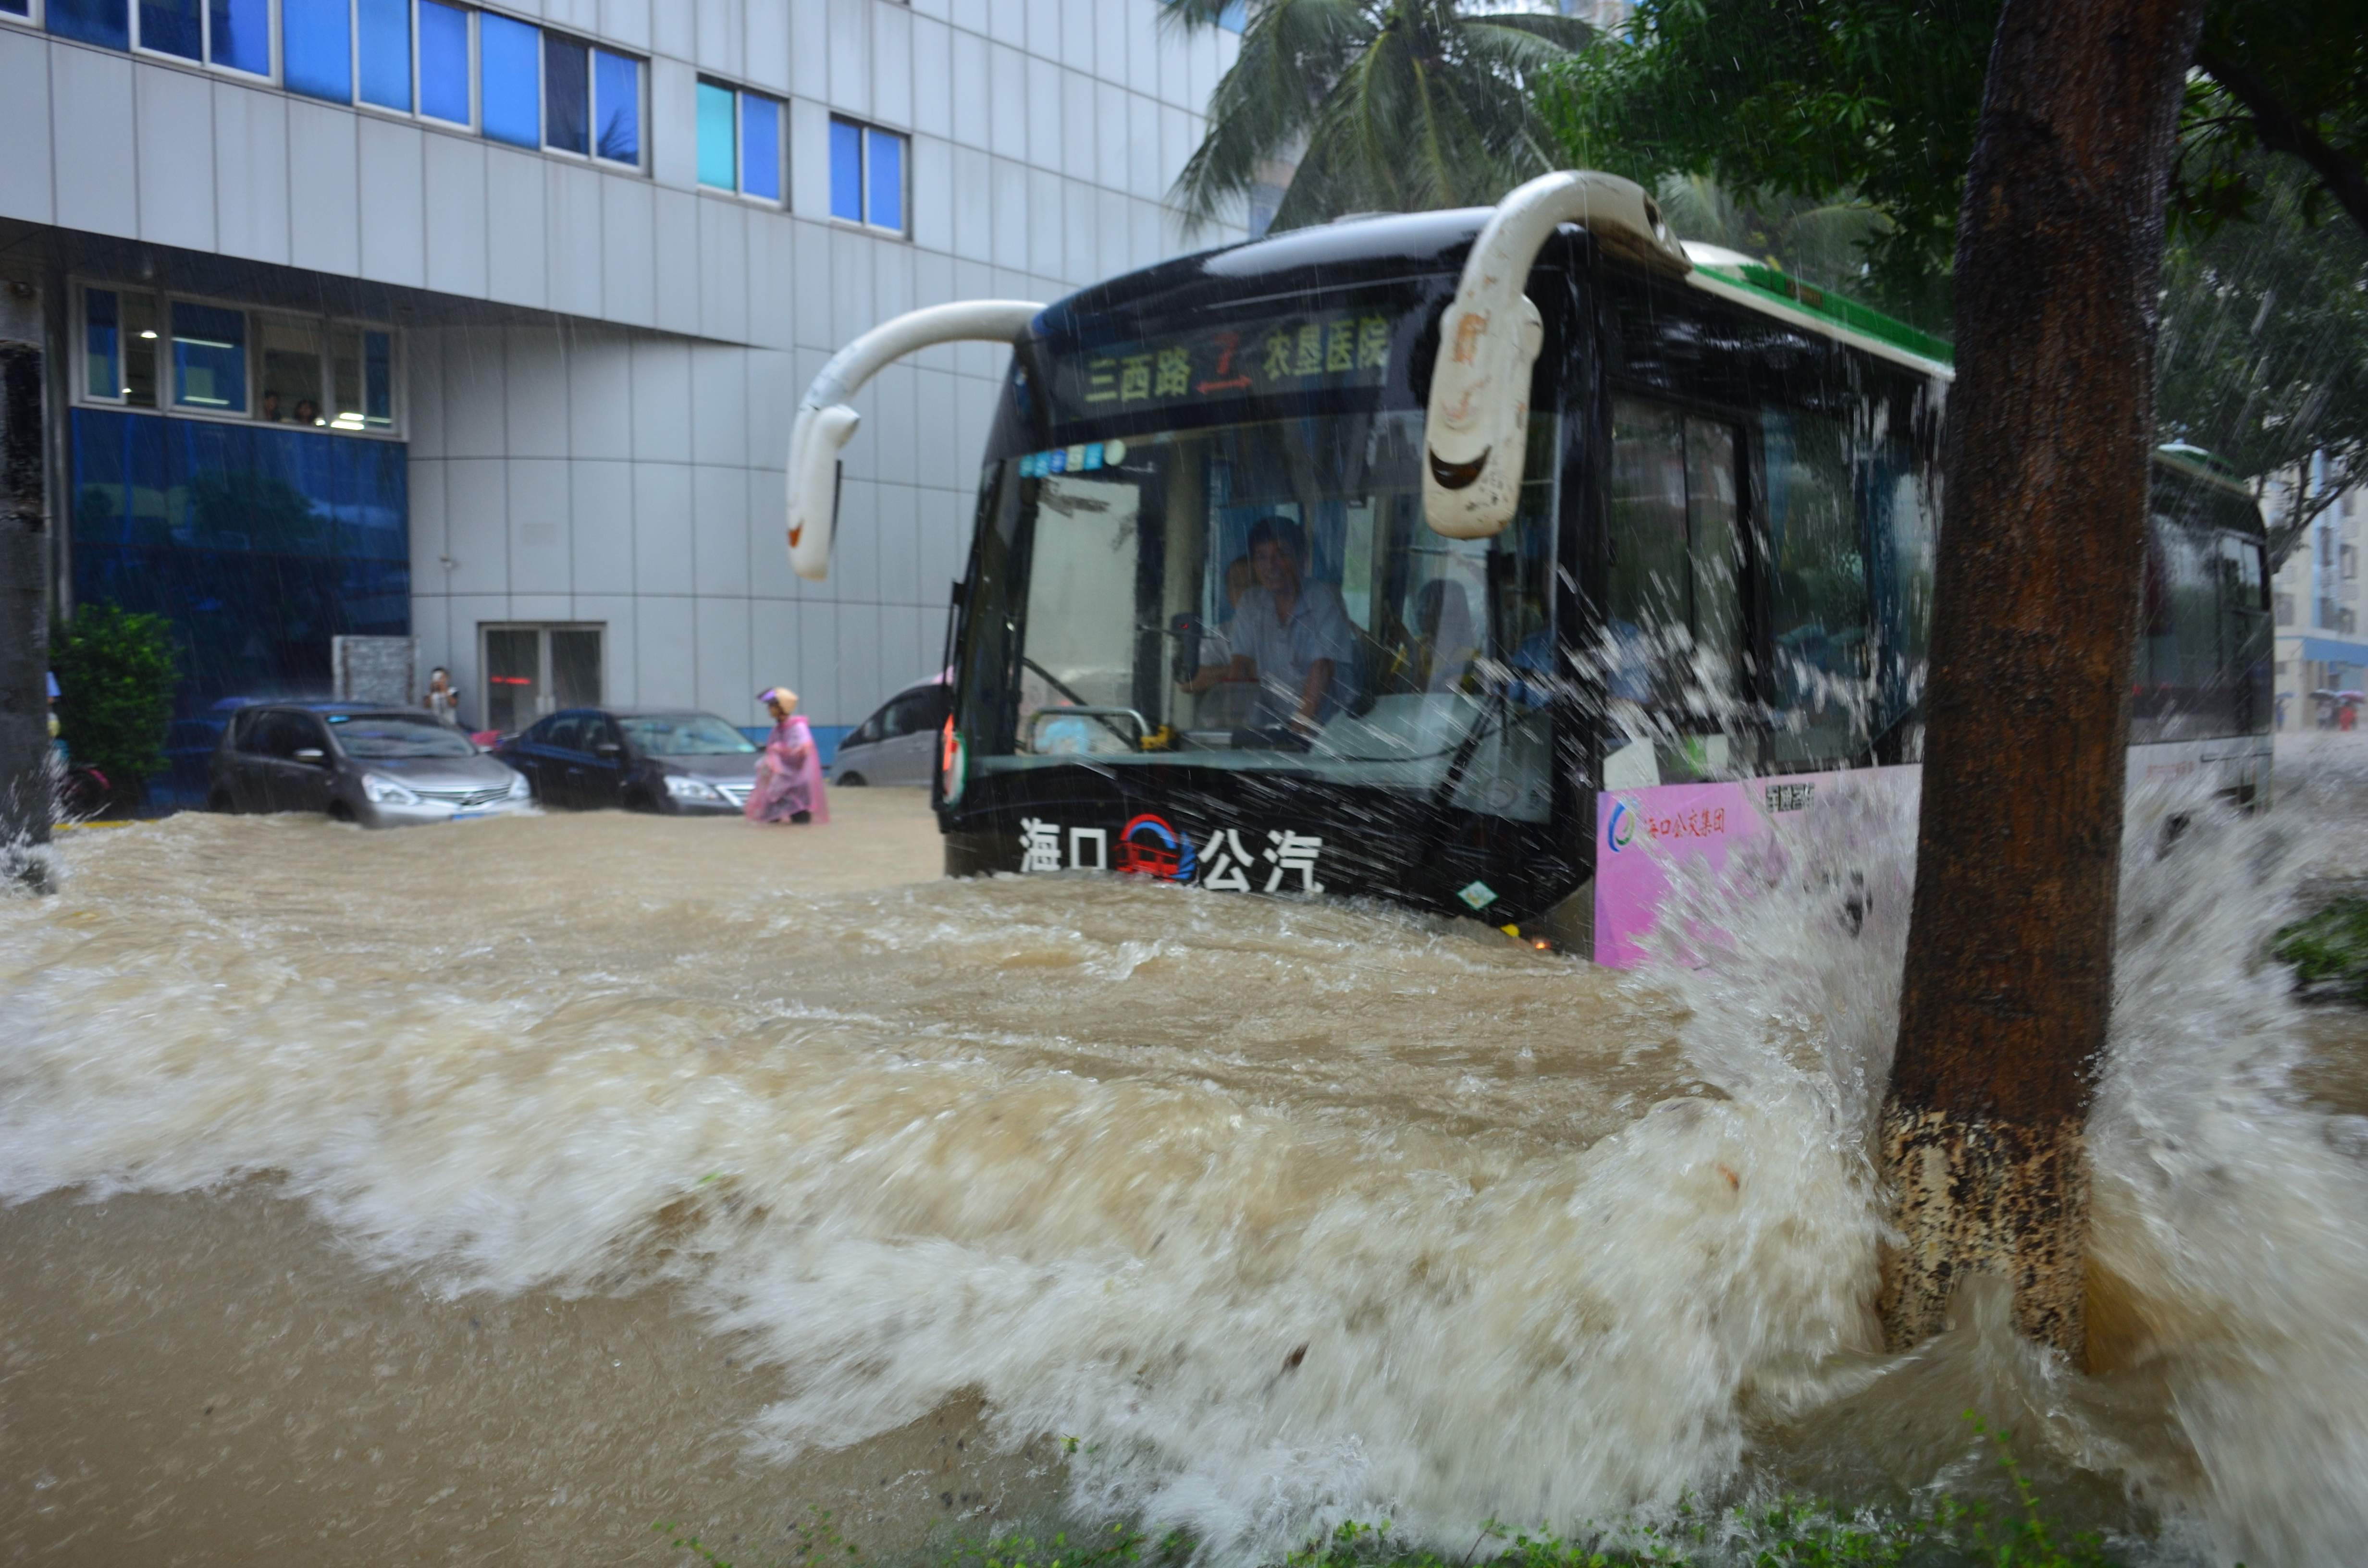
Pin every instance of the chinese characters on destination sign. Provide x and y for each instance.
(1149, 846)
(1282, 354)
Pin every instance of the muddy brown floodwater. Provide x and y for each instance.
(491, 1193)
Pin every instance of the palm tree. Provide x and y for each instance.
(1391, 106)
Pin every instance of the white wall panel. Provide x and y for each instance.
(572, 194)
(1081, 251)
(850, 286)
(177, 157)
(538, 520)
(1046, 238)
(855, 549)
(1044, 29)
(474, 403)
(600, 531)
(1044, 146)
(662, 527)
(772, 280)
(769, 575)
(534, 391)
(1006, 101)
(393, 204)
(768, 58)
(815, 679)
(719, 506)
(933, 284)
(618, 618)
(892, 66)
(810, 252)
(455, 215)
(627, 252)
(1113, 230)
(974, 202)
(933, 88)
(91, 125)
(1079, 134)
(894, 430)
(773, 392)
(674, 28)
(1010, 214)
(600, 393)
(892, 279)
(250, 173)
(723, 269)
(516, 265)
(1143, 165)
(667, 652)
(810, 48)
(476, 526)
(674, 119)
(972, 86)
(1153, 234)
(773, 654)
(850, 56)
(323, 190)
(809, 158)
(1142, 47)
(422, 371)
(719, 35)
(661, 401)
(1176, 144)
(25, 127)
(896, 516)
(424, 485)
(939, 460)
(933, 193)
(1077, 33)
(677, 232)
(719, 407)
(627, 21)
(1109, 40)
(725, 685)
(1109, 136)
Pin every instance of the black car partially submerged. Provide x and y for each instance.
(673, 760)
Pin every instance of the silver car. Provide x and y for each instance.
(898, 744)
(377, 767)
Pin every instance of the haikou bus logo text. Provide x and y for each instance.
(1620, 831)
(1147, 846)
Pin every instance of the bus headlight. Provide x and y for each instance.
(683, 788)
(385, 791)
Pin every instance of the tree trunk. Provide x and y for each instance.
(2010, 947)
(24, 571)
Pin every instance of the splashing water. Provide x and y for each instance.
(1293, 1211)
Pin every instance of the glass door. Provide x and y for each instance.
(537, 669)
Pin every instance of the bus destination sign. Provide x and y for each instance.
(1310, 352)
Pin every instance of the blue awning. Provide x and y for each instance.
(2328, 651)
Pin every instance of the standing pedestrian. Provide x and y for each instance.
(789, 773)
(442, 699)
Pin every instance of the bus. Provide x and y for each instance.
(1477, 561)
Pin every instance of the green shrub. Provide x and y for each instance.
(2331, 948)
(115, 678)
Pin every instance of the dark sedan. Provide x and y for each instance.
(655, 760)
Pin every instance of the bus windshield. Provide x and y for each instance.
(1264, 595)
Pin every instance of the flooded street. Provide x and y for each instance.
(488, 1194)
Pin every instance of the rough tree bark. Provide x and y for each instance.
(24, 563)
(2010, 945)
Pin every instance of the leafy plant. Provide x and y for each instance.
(2331, 948)
(116, 674)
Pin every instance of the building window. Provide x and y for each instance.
(2350, 562)
(316, 49)
(591, 101)
(617, 107)
(229, 362)
(104, 22)
(172, 27)
(739, 141)
(867, 176)
(383, 31)
(509, 68)
(444, 74)
(238, 35)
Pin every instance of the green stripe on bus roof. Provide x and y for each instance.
(1835, 308)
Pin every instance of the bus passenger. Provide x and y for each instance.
(1292, 636)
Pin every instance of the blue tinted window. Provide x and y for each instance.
(761, 147)
(210, 358)
(885, 151)
(385, 28)
(100, 345)
(567, 94)
(846, 171)
(316, 49)
(510, 68)
(378, 379)
(242, 34)
(16, 7)
(617, 106)
(105, 22)
(443, 61)
(719, 163)
(169, 27)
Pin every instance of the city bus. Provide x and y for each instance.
(1476, 561)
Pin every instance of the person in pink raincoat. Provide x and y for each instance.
(788, 772)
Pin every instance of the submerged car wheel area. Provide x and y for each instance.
(678, 762)
(373, 766)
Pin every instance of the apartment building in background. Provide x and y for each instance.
(484, 323)
(2316, 603)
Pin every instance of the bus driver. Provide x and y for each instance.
(1292, 636)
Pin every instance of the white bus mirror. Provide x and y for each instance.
(1477, 429)
(825, 423)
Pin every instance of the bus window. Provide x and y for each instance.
(1819, 600)
(1081, 587)
(1672, 642)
